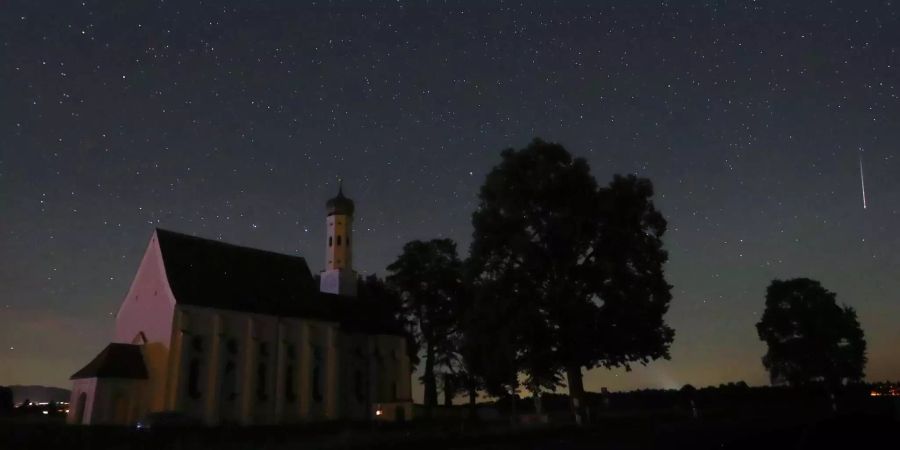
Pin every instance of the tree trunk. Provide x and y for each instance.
(429, 381)
(449, 390)
(576, 392)
(472, 396)
(514, 413)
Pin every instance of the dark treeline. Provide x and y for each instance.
(736, 400)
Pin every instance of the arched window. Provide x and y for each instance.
(289, 393)
(359, 386)
(229, 386)
(317, 375)
(229, 382)
(197, 343)
(261, 382)
(194, 378)
(338, 240)
(261, 372)
(329, 241)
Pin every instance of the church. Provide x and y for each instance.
(228, 334)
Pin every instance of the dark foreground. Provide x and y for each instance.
(855, 431)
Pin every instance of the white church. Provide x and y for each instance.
(235, 335)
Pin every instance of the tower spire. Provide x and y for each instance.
(339, 276)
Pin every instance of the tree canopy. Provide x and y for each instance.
(428, 277)
(573, 272)
(810, 338)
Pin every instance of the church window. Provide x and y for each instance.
(194, 378)
(229, 382)
(289, 393)
(329, 241)
(229, 386)
(197, 343)
(317, 375)
(359, 386)
(261, 372)
(338, 240)
(261, 382)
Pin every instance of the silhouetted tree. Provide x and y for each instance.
(503, 337)
(811, 339)
(460, 376)
(586, 264)
(6, 401)
(428, 276)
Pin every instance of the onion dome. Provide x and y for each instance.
(340, 204)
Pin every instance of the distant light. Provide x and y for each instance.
(875, 394)
(45, 412)
(378, 412)
(67, 411)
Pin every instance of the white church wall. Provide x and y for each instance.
(145, 316)
(253, 345)
(81, 402)
(354, 397)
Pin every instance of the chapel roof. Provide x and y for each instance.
(214, 274)
(115, 361)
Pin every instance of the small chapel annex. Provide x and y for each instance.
(236, 335)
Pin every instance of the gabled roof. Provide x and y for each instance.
(214, 274)
(115, 361)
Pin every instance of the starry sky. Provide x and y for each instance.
(233, 120)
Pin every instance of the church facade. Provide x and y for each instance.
(235, 335)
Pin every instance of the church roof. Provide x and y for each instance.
(115, 361)
(214, 274)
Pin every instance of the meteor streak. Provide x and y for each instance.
(862, 182)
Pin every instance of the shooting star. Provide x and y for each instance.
(862, 182)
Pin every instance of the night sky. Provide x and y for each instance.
(234, 120)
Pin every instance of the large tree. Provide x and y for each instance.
(810, 338)
(428, 276)
(586, 261)
(505, 335)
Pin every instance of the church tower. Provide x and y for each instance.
(339, 276)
